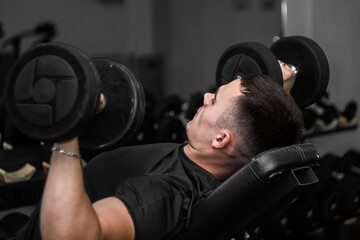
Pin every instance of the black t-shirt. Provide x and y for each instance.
(158, 184)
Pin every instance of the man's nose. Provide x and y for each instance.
(207, 98)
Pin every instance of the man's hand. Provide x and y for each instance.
(66, 210)
(288, 76)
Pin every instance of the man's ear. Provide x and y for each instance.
(222, 139)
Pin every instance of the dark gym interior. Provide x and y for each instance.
(173, 48)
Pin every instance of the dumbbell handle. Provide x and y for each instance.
(102, 103)
(294, 69)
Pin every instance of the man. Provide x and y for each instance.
(147, 192)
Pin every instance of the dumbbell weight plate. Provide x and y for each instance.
(36, 87)
(331, 209)
(312, 64)
(244, 58)
(124, 111)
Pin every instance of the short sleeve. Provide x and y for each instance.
(159, 206)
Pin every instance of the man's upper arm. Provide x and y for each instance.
(114, 218)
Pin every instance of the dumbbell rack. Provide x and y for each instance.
(324, 117)
(343, 228)
(337, 130)
(22, 196)
(291, 221)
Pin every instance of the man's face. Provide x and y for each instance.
(201, 128)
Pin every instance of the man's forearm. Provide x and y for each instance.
(66, 211)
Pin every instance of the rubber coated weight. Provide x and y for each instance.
(124, 111)
(313, 67)
(352, 205)
(244, 58)
(52, 92)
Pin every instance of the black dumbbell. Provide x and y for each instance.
(305, 57)
(53, 93)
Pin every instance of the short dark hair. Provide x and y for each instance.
(265, 116)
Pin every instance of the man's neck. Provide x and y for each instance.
(218, 164)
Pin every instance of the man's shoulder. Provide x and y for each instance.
(148, 148)
(160, 147)
(107, 170)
